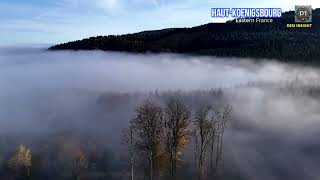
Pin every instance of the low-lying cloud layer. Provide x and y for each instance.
(276, 117)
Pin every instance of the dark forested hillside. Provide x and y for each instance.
(231, 39)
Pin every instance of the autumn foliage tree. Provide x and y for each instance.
(177, 119)
(20, 162)
(79, 165)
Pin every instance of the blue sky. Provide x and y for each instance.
(56, 21)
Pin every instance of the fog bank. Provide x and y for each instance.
(276, 117)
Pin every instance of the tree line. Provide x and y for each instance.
(231, 39)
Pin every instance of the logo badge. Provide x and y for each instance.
(303, 14)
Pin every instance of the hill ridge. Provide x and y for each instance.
(230, 39)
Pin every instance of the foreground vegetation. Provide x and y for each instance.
(156, 144)
(256, 40)
(169, 136)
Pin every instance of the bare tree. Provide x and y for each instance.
(147, 127)
(204, 133)
(219, 120)
(177, 117)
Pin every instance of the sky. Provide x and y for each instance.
(57, 21)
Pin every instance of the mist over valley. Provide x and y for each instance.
(66, 101)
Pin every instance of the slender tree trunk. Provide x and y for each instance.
(131, 152)
(200, 168)
(174, 172)
(195, 156)
(211, 156)
(150, 166)
(201, 153)
(171, 166)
